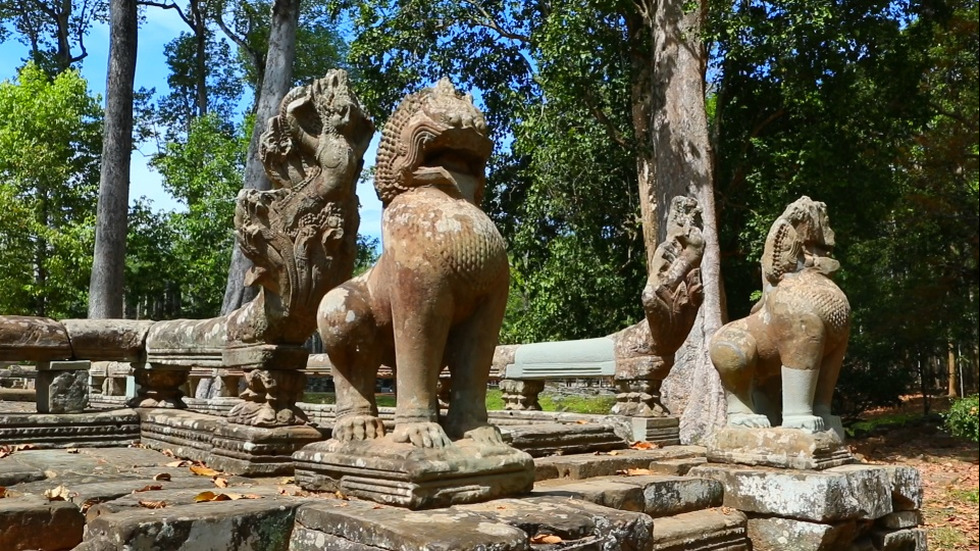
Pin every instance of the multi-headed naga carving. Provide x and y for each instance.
(301, 237)
(436, 296)
(796, 336)
(671, 298)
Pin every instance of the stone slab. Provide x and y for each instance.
(900, 520)
(402, 474)
(33, 339)
(185, 491)
(708, 530)
(543, 439)
(14, 472)
(783, 534)
(564, 360)
(590, 465)
(657, 496)
(664, 431)
(778, 447)
(108, 339)
(186, 434)
(259, 451)
(265, 356)
(580, 524)
(362, 526)
(62, 390)
(828, 496)
(70, 430)
(676, 467)
(913, 539)
(186, 343)
(906, 485)
(242, 525)
(34, 523)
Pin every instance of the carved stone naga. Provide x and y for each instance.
(671, 298)
(301, 236)
(789, 350)
(437, 294)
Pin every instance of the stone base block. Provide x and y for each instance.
(900, 540)
(591, 465)
(417, 478)
(32, 522)
(783, 534)
(664, 431)
(829, 496)
(778, 447)
(265, 356)
(71, 430)
(186, 433)
(708, 530)
(657, 496)
(540, 440)
(62, 386)
(258, 451)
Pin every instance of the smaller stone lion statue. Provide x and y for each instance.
(436, 296)
(782, 361)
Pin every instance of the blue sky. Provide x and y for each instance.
(159, 28)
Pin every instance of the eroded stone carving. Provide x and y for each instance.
(437, 295)
(671, 298)
(302, 239)
(789, 350)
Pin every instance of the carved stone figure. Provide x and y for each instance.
(795, 338)
(671, 298)
(437, 294)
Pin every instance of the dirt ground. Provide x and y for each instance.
(949, 468)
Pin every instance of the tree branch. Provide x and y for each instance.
(490, 23)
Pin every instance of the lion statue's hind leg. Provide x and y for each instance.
(734, 353)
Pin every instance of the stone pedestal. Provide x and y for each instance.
(159, 386)
(418, 478)
(521, 395)
(187, 434)
(778, 447)
(258, 451)
(62, 386)
(664, 431)
(119, 427)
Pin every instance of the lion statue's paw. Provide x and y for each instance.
(358, 427)
(486, 434)
(810, 423)
(422, 435)
(749, 420)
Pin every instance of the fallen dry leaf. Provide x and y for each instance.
(180, 463)
(88, 503)
(169, 453)
(148, 488)
(546, 538)
(152, 504)
(72, 450)
(60, 493)
(3, 492)
(643, 445)
(165, 477)
(581, 422)
(220, 482)
(212, 496)
(613, 452)
(634, 472)
(340, 495)
(201, 470)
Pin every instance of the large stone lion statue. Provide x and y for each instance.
(436, 296)
(796, 336)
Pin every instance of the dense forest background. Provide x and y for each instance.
(868, 105)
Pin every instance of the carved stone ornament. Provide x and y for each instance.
(671, 298)
(789, 350)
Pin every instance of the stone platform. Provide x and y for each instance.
(70, 430)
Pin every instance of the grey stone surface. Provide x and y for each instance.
(258, 451)
(664, 431)
(589, 466)
(708, 530)
(906, 487)
(913, 539)
(108, 339)
(657, 496)
(402, 474)
(185, 433)
(842, 493)
(778, 447)
(362, 526)
(29, 338)
(676, 467)
(34, 523)
(564, 360)
(541, 439)
(70, 430)
(782, 534)
(900, 519)
(243, 525)
(14, 472)
(580, 524)
(62, 390)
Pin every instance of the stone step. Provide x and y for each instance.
(29, 522)
(70, 430)
(583, 466)
(709, 530)
(542, 439)
(657, 496)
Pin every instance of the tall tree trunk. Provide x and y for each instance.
(275, 83)
(674, 157)
(953, 388)
(108, 269)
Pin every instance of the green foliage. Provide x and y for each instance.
(50, 141)
(963, 419)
